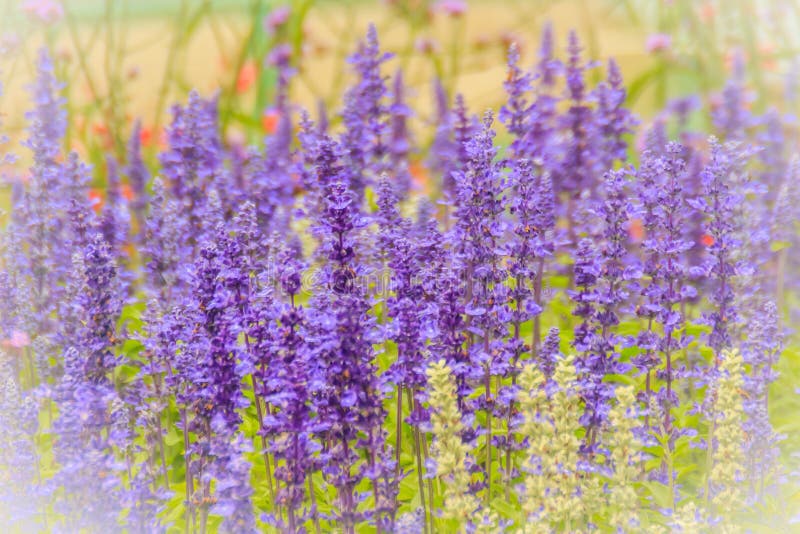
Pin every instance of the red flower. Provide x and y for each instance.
(247, 76)
(269, 120)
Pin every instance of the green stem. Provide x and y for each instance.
(417, 452)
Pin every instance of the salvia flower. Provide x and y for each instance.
(760, 353)
(664, 209)
(612, 121)
(453, 457)
(728, 458)
(138, 176)
(626, 457)
(100, 307)
(19, 459)
(349, 400)
(192, 162)
(718, 203)
(514, 113)
(400, 142)
(365, 116)
(557, 494)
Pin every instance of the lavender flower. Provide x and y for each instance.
(533, 206)
(208, 378)
(365, 140)
(664, 209)
(115, 220)
(612, 122)
(442, 156)
(514, 113)
(478, 233)
(731, 117)
(48, 121)
(287, 387)
(760, 353)
(164, 248)
(100, 306)
(192, 162)
(88, 481)
(577, 168)
(19, 460)
(718, 204)
(348, 401)
(543, 114)
(138, 175)
(400, 142)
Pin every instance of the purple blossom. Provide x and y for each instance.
(577, 168)
(515, 112)
(532, 244)
(731, 117)
(761, 352)
(192, 162)
(348, 399)
(718, 203)
(286, 387)
(400, 142)
(550, 353)
(164, 248)
(477, 233)
(100, 305)
(365, 117)
(612, 121)
(88, 485)
(663, 208)
(19, 460)
(48, 120)
(602, 279)
(138, 175)
(443, 156)
(114, 221)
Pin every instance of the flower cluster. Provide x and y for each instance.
(295, 336)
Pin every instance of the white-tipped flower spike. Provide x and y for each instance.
(538, 429)
(625, 456)
(556, 493)
(687, 520)
(728, 458)
(452, 456)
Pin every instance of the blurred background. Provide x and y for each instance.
(126, 59)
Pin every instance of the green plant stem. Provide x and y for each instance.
(426, 455)
(264, 448)
(189, 480)
(314, 512)
(398, 430)
(488, 397)
(169, 67)
(418, 454)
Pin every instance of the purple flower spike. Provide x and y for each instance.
(365, 117)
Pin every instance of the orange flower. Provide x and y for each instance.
(127, 192)
(707, 240)
(96, 199)
(419, 173)
(636, 230)
(145, 136)
(247, 76)
(269, 120)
